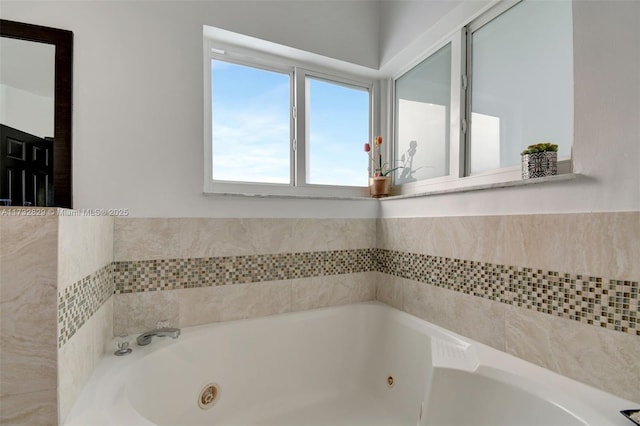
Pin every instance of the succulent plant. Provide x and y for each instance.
(540, 147)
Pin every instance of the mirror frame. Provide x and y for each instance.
(62, 148)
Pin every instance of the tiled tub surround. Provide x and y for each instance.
(78, 302)
(597, 356)
(172, 274)
(548, 326)
(603, 302)
(135, 312)
(41, 259)
(204, 282)
(588, 244)
(222, 269)
(203, 290)
(84, 301)
(607, 303)
(179, 238)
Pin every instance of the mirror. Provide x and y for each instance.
(35, 115)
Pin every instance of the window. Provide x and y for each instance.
(503, 82)
(251, 134)
(277, 128)
(338, 127)
(521, 83)
(422, 116)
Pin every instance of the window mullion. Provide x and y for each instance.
(208, 147)
(458, 128)
(468, 58)
(299, 150)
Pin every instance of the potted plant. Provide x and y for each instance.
(539, 160)
(379, 172)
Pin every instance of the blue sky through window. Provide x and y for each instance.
(251, 135)
(250, 124)
(338, 120)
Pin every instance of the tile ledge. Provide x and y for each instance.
(479, 187)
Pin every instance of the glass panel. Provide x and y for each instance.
(27, 86)
(337, 128)
(422, 108)
(251, 125)
(522, 88)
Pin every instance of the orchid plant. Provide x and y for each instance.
(376, 167)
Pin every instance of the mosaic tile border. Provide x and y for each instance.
(607, 303)
(172, 274)
(78, 302)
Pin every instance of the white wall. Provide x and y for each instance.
(606, 127)
(403, 21)
(137, 119)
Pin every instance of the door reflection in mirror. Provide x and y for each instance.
(27, 90)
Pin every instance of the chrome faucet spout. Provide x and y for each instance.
(145, 338)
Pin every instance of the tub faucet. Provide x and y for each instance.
(145, 338)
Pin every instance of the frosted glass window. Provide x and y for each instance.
(338, 126)
(251, 130)
(422, 110)
(521, 83)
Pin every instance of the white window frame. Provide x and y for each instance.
(459, 143)
(299, 71)
(302, 125)
(456, 139)
(514, 172)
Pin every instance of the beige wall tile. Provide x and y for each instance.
(85, 244)
(389, 290)
(597, 244)
(602, 358)
(78, 358)
(156, 238)
(28, 341)
(318, 292)
(75, 365)
(473, 317)
(465, 237)
(231, 302)
(29, 409)
(28, 253)
(102, 325)
(28, 304)
(138, 312)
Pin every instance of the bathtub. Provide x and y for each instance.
(360, 364)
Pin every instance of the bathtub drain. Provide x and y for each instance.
(209, 396)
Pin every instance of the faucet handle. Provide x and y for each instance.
(164, 323)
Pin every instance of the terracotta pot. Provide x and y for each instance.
(380, 186)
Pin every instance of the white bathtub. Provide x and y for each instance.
(331, 367)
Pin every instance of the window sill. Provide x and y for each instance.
(478, 187)
(494, 185)
(290, 196)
